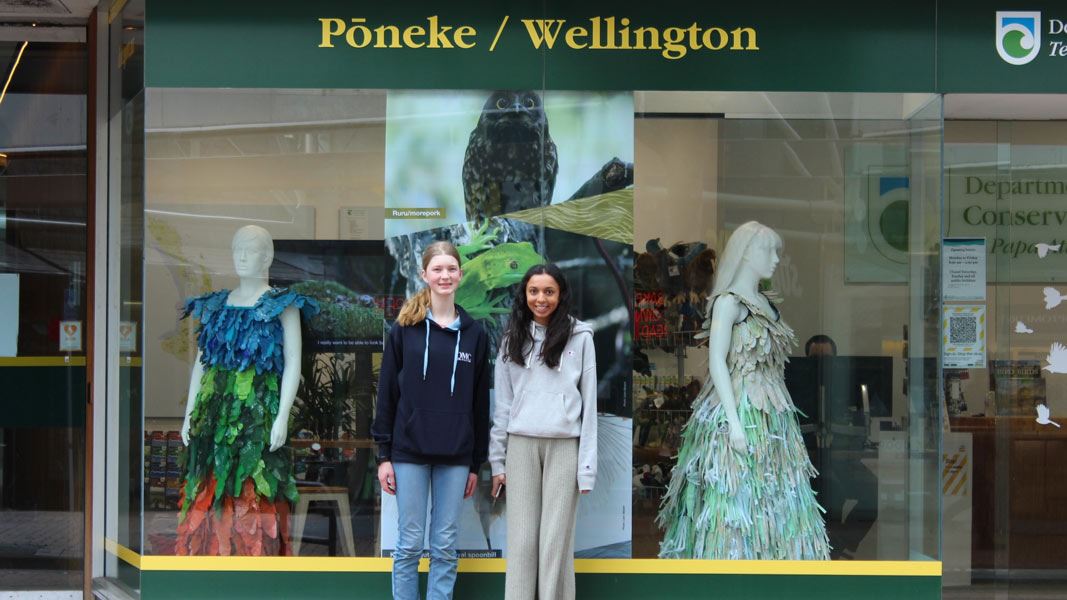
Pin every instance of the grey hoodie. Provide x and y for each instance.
(536, 401)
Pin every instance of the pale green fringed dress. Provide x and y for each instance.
(756, 505)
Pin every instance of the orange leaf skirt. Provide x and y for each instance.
(248, 525)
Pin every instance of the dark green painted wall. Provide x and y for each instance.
(51, 396)
(837, 45)
(834, 45)
(165, 585)
(968, 56)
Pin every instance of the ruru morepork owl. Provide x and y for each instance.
(511, 160)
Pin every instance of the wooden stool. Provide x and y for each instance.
(338, 495)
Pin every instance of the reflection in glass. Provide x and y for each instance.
(43, 254)
(850, 182)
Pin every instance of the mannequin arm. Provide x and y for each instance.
(291, 344)
(727, 311)
(194, 390)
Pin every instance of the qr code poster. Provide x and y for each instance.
(963, 338)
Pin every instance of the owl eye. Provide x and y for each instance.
(529, 102)
(501, 103)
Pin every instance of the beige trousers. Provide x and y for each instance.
(542, 497)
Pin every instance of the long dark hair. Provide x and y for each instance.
(518, 338)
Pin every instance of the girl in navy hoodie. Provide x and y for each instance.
(431, 425)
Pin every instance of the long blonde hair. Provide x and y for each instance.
(414, 309)
(735, 250)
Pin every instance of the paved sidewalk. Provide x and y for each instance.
(47, 534)
(48, 537)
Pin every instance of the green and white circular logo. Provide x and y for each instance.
(1018, 36)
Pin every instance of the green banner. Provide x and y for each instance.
(594, 45)
(993, 46)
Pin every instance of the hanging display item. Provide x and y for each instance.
(742, 485)
(671, 286)
(238, 477)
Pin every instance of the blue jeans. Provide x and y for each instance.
(414, 483)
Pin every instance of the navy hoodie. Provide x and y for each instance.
(433, 394)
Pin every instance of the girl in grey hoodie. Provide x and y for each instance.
(543, 441)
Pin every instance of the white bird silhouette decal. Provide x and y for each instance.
(1043, 249)
(1042, 416)
(1053, 297)
(1021, 327)
(1057, 359)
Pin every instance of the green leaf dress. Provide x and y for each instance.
(754, 505)
(235, 496)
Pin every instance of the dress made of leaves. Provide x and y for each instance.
(753, 505)
(235, 498)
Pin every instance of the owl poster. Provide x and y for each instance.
(461, 156)
(515, 178)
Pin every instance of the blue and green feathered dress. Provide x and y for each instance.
(236, 491)
(754, 505)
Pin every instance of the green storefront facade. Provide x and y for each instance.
(826, 122)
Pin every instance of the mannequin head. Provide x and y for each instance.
(253, 251)
(753, 246)
(762, 256)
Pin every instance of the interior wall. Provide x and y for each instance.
(700, 179)
(696, 179)
(288, 160)
(675, 180)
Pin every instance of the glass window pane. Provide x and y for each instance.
(851, 184)
(353, 184)
(1005, 184)
(43, 211)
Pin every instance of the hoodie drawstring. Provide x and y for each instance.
(426, 350)
(455, 360)
(455, 353)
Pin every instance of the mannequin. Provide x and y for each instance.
(253, 253)
(241, 392)
(757, 263)
(741, 488)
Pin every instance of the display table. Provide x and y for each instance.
(334, 494)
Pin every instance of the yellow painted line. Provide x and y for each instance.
(958, 472)
(324, 564)
(656, 566)
(124, 553)
(951, 472)
(963, 481)
(42, 361)
(640, 566)
(950, 461)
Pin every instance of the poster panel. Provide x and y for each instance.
(516, 178)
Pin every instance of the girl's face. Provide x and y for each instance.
(542, 297)
(442, 274)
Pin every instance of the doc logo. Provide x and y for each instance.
(1018, 36)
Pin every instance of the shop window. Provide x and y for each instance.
(635, 195)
